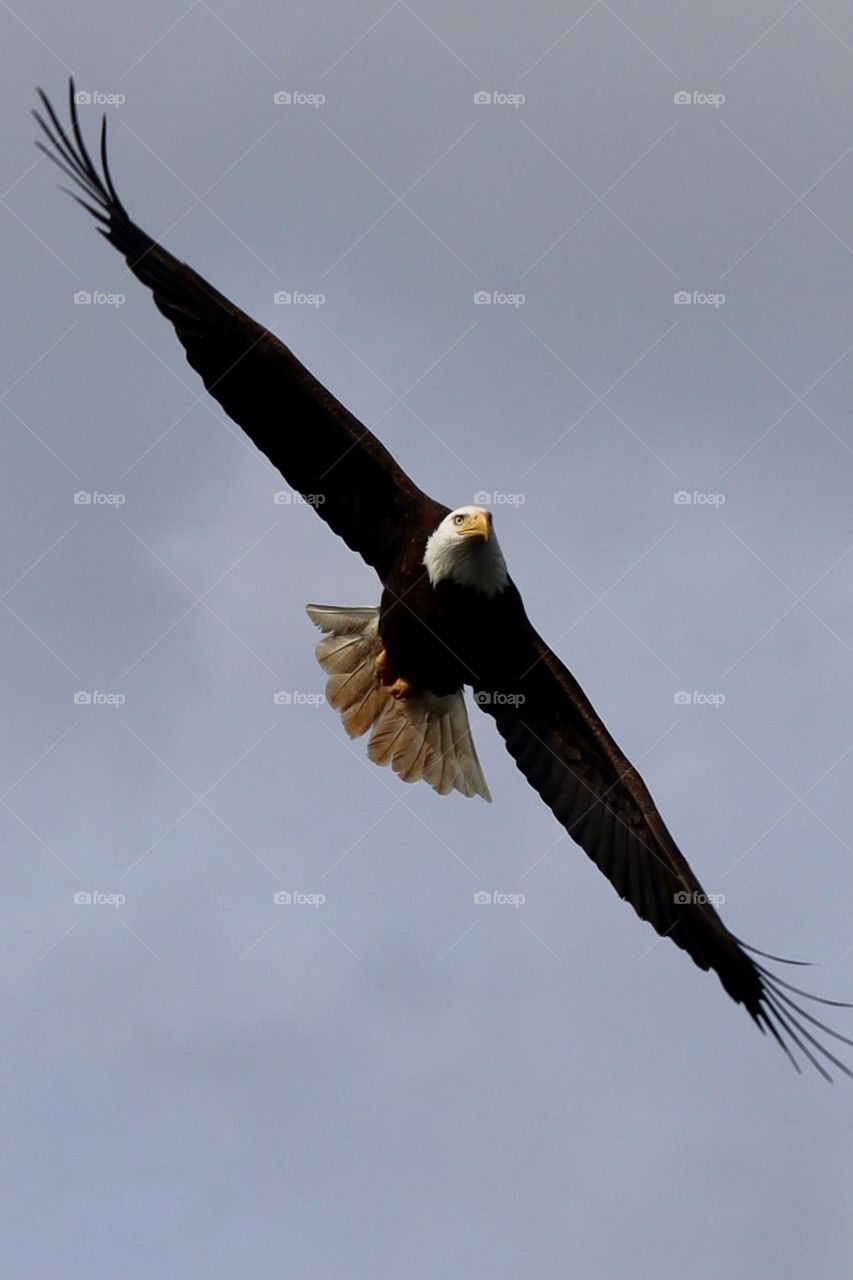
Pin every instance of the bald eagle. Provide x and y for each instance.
(449, 617)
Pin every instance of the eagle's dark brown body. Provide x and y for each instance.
(445, 637)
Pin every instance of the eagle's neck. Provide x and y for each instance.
(468, 562)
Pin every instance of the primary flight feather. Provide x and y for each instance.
(449, 616)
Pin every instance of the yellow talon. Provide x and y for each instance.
(401, 688)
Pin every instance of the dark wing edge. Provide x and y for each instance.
(562, 747)
(320, 448)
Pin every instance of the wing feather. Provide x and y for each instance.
(564, 750)
(320, 448)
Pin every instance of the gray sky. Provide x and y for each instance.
(201, 1082)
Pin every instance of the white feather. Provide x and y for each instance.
(420, 737)
(469, 562)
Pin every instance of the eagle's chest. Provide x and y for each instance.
(437, 637)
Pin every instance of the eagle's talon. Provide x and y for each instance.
(397, 686)
(401, 689)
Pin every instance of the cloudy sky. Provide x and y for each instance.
(387, 1078)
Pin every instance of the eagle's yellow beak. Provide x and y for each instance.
(477, 525)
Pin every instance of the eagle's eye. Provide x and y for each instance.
(457, 520)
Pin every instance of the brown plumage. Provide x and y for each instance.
(425, 643)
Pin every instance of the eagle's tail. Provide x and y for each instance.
(424, 736)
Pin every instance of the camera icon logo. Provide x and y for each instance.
(482, 898)
(482, 99)
(482, 298)
(83, 898)
(82, 698)
(682, 298)
(282, 898)
(282, 698)
(282, 98)
(681, 99)
(682, 698)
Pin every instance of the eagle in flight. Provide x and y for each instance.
(449, 616)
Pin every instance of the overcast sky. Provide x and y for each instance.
(389, 1079)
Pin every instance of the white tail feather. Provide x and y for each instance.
(420, 737)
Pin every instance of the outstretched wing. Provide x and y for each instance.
(564, 750)
(319, 447)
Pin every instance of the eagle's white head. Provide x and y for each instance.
(464, 549)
